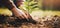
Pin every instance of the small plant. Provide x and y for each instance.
(31, 5)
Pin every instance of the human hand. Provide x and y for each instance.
(21, 14)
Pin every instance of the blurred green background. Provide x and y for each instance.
(34, 7)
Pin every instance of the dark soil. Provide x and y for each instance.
(14, 22)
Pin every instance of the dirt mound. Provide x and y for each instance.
(14, 22)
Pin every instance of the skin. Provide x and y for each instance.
(17, 12)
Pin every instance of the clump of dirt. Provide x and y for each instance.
(14, 22)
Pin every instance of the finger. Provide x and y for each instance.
(25, 12)
(28, 15)
(25, 15)
(21, 16)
